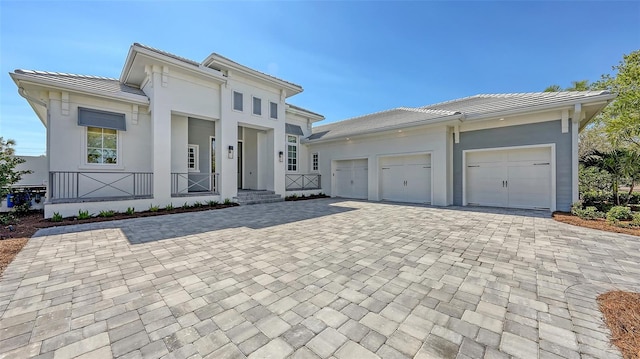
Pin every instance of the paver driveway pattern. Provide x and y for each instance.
(322, 278)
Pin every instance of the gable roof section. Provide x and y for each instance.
(168, 54)
(102, 86)
(396, 118)
(304, 112)
(481, 106)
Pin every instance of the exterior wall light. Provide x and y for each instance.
(281, 156)
(230, 153)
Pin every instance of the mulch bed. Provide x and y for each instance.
(311, 196)
(9, 248)
(600, 224)
(621, 312)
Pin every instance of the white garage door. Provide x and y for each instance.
(351, 178)
(406, 178)
(518, 178)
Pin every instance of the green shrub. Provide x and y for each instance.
(212, 203)
(186, 205)
(105, 214)
(57, 217)
(153, 208)
(83, 214)
(196, 204)
(227, 201)
(130, 210)
(7, 219)
(590, 212)
(169, 207)
(619, 213)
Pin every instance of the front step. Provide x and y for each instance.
(257, 197)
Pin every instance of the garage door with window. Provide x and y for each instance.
(406, 178)
(517, 178)
(351, 178)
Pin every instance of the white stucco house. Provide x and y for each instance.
(172, 130)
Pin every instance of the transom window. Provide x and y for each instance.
(273, 110)
(192, 158)
(257, 106)
(102, 146)
(314, 162)
(292, 153)
(237, 101)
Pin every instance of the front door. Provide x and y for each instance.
(239, 164)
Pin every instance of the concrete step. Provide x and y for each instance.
(260, 201)
(255, 197)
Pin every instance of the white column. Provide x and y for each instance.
(161, 135)
(575, 128)
(227, 136)
(439, 169)
(279, 144)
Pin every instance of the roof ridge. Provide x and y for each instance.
(428, 110)
(40, 72)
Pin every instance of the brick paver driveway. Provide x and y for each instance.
(318, 278)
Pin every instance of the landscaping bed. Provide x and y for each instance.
(621, 312)
(599, 223)
(303, 197)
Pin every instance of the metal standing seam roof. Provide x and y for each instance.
(304, 110)
(469, 107)
(94, 83)
(173, 56)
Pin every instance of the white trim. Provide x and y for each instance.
(242, 159)
(84, 165)
(317, 164)
(297, 145)
(575, 195)
(552, 160)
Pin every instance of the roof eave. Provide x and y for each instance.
(198, 70)
(312, 116)
(131, 98)
(451, 119)
(291, 89)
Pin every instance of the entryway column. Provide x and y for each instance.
(161, 134)
(227, 161)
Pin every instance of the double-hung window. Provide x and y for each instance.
(273, 110)
(102, 146)
(237, 101)
(292, 153)
(314, 162)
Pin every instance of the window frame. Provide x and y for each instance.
(233, 101)
(85, 150)
(253, 106)
(315, 162)
(292, 167)
(196, 157)
(271, 113)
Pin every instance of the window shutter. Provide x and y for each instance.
(102, 119)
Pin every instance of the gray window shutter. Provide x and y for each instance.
(103, 119)
(293, 129)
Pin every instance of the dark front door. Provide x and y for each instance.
(239, 164)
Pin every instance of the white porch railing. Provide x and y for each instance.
(70, 186)
(298, 182)
(190, 184)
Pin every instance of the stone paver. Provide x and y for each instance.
(316, 279)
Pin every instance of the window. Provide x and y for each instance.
(237, 101)
(192, 158)
(257, 106)
(292, 153)
(273, 110)
(102, 146)
(314, 162)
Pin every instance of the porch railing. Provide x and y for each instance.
(70, 186)
(189, 184)
(302, 182)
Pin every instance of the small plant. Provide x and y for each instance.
(636, 219)
(590, 212)
(57, 217)
(153, 208)
(105, 214)
(186, 205)
(227, 201)
(619, 213)
(212, 203)
(169, 207)
(83, 214)
(130, 210)
(6, 219)
(196, 204)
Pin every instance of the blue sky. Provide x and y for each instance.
(352, 58)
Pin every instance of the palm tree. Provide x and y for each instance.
(620, 164)
(553, 88)
(582, 85)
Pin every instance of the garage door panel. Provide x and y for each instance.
(406, 178)
(418, 179)
(519, 178)
(392, 183)
(351, 179)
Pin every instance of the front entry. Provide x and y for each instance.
(239, 164)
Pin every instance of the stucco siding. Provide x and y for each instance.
(521, 135)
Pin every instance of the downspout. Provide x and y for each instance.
(23, 93)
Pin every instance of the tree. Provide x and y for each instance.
(582, 85)
(553, 88)
(621, 164)
(8, 163)
(622, 117)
